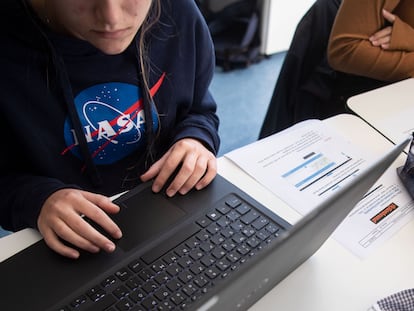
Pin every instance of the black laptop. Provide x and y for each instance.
(214, 249)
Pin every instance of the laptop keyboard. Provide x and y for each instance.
(172, 279)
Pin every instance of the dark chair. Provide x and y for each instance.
(307, 87)
(235, 33)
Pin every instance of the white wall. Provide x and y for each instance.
(279, 19)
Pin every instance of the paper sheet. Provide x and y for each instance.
(307, 163)
(303, 166)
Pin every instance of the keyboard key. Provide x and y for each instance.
(203, 221)
(189, 289)
(185, 276)
(248, 231)
(203, 236)
(197, 268)
(213, 228)
(263, 234)
(150, 302)
(272, 228)
(121, 291)
(212, 272)
(162, 293)
(218, 252)
(233, 215)
(109, 281)
(223, 222)
(214, 215)
(260, 223)
(249, 217)
(243, 209)
(150, 286)
(158, 266)
(223, 209)
(174, 285)
(78, 301)
(170, 258)
(103, 303)
(174, 269)
(162, 277)
(217, 239)
(185, 262)
(192, 242)
(253, 242)
(95, 293)
(196, 254)
(145, 274)
(136, 265)
(137, 295)
(124, 305)
(233, 202)
(178, 298)
(166, 305)
(229, 245)
(123, 274)
(207, 260)
(223, 264)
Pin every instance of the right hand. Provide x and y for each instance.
(382, 38)
(61, 217)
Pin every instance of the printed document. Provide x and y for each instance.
(308, 162)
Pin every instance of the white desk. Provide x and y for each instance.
(332, 279)
(389, 109)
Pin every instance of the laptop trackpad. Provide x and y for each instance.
(143, 216)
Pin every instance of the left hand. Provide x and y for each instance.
(382, 38)
(198, 168)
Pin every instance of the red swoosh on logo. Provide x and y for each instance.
(132, 109)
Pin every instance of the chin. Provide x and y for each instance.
(111, 47)
(112, 50)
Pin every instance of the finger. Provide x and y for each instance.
(71, 234)
(53, 241)
(383, 34)
(382, 41)
(169, 167)
(385, 46)
(92, 235)
(211, 172)
(154, 169)
(190, 172)
(388, 16)
(97, 213)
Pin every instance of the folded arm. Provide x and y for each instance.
(354, 47)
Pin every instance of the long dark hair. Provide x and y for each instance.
(144, 68)
(152, 18)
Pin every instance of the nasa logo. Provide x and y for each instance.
(112, 116)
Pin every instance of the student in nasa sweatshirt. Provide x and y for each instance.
(96, 97)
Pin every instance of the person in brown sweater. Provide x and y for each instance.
(374, 38)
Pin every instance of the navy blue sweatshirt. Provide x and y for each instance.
(46, 77)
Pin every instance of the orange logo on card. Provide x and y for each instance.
(384, 213)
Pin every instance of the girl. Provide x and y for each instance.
(99, 96)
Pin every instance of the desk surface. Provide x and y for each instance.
(388, 109)
(333, 278)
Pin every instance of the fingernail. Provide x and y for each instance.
(170, 193)
(110, 247)
(118, 234)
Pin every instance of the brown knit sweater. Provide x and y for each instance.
(350, 51)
